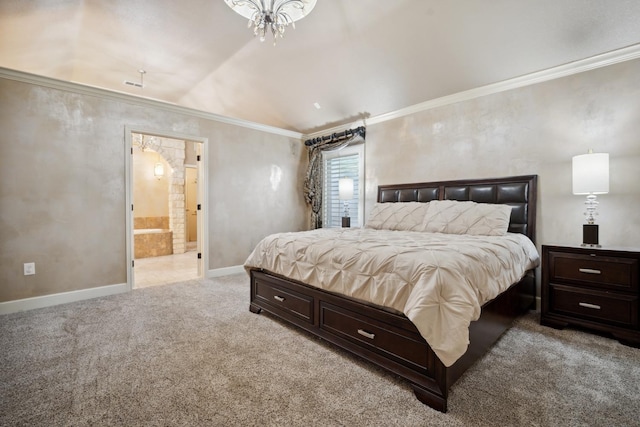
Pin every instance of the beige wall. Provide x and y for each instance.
(150, 193)
(261, 179)
(62, 189)
(530, 130)
(62, 186)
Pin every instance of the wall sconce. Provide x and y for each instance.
(345, 192)
(158, 170)
(590, 177)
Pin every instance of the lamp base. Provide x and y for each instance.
(590, 235)
(346, 221)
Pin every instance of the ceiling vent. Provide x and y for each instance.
(127, 82)
(141, 84)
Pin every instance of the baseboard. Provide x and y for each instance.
(61, 298)
(225, 271)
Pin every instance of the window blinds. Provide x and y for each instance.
(336, 168)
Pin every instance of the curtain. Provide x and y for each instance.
(313, 181)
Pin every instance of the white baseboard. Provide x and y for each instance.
(225, 271)
(61, 298)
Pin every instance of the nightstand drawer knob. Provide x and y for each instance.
(589, 271)
(587, 305)
(278, 298)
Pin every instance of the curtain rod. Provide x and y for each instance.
(361, 130)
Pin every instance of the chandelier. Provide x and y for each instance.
(274, 15)
(144, 142)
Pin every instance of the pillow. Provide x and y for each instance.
(406, 216)
(479, 219)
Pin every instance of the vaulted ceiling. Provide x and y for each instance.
(355, 58)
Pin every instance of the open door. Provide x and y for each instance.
(191, 199)
(192, 166)
(194, 190)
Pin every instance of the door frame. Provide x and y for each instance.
(203, 195)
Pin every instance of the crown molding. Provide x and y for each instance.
(83, 89)
(598, 61)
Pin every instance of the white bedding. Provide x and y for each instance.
(439, 281)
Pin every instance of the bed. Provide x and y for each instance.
(382, 332)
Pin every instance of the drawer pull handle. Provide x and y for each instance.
(589, 271)
(278, 298)
(366, 334)
(587, 305)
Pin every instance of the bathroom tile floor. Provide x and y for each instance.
(162, 270)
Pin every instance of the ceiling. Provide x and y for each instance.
(355, 58)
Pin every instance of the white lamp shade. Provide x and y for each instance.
(345, 188)
(591, 173)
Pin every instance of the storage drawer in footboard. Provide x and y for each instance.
(403, 346)
(281, 298)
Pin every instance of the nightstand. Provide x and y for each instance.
(593, 288)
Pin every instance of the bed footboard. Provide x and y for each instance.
(386, 339)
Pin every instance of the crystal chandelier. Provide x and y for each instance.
(275, 15)
(144, 142)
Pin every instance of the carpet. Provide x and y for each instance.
(191, 354)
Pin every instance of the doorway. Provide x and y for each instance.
(166, 222)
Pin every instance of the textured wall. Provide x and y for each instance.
(62, 186)
(531, 130)
(260, 179)
(62, 189)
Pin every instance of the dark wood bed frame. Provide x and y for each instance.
(389, 340)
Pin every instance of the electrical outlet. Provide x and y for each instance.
(29, 268)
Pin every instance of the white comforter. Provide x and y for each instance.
(439, 281)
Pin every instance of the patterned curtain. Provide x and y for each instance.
(313, 181)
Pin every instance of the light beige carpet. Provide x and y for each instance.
(192, 354)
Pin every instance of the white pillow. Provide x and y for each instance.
(406, 216)
(480, 219)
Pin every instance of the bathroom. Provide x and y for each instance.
(164, 217)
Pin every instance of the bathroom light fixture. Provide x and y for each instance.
(158, 170)
(274, 15)
(590, 173)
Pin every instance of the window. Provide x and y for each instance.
(345, 163)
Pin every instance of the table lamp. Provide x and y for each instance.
(345, 192)
(590, 177)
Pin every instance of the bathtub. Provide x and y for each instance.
(150, 242)
(150, 231)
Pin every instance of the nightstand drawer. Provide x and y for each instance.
(605, 307)
(594, 270)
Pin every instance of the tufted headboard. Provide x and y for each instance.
(518, 191)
